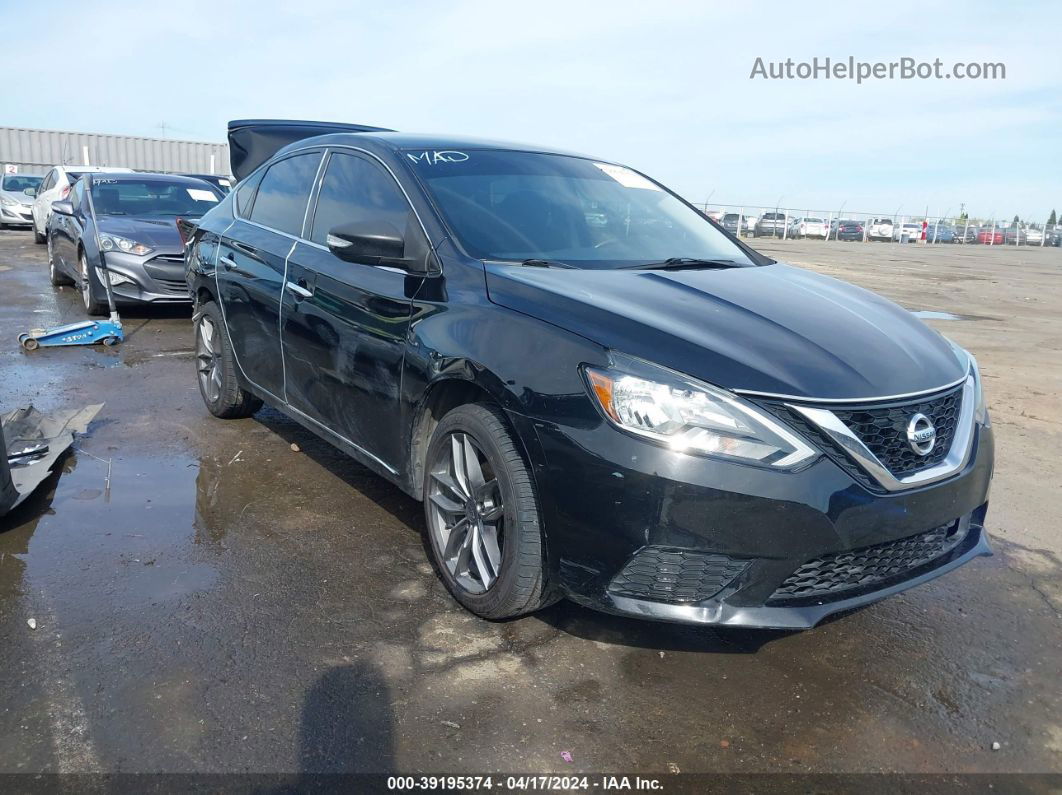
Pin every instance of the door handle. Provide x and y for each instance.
(227, 262)
(246, 249)
(298, 290)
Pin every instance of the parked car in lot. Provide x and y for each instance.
(645, 415)
(56, 187)
(986, 235)
(846, 229)
(770, 225)
(880, 229)
(910, 233)
(730, 222)
(1014, 236)
(16, 199)
(940, 233)
(965, 233)
(1034, 236)
(807, 227)
(134, 225)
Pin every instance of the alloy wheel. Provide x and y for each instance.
(467, 514)
(86, 284)
(208, 360)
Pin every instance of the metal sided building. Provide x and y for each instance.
(36, 151)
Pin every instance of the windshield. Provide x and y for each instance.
(152, 197)
(504, 205)
(19, 183)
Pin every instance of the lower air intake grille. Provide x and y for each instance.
(843, 571)
(676, 576)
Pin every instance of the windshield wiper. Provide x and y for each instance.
(545, 263)
(679, 263)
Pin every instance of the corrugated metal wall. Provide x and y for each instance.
(35, 151)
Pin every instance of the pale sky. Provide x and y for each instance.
(661, 86)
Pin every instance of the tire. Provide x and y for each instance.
(221, 391)
(518, 582)
(90, 288)
(55, 276)
(38, 238)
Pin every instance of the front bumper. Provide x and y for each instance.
(16, 216)
(156, 279)
(632, 496)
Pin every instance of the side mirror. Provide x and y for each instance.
(30, 191)
(63, 208)
(370, 243)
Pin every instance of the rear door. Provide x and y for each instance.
(345, 323)
(252, 259)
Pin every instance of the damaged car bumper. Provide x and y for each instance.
(698, 541)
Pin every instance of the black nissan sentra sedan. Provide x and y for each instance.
(131, 219)
(596, 392)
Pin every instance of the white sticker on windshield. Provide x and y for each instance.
(626, 177)
(201, 195)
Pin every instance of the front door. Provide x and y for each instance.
(345, 323)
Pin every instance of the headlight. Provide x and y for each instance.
(980, 406)
(8, 202)
(123, 244)
(692, 417)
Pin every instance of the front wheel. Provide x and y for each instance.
(93, 306)
(482, 515)
(216, 368)
(38, 238)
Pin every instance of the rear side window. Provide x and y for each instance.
(245, 195)
(49, 181)
(284, 191)
(355, 189)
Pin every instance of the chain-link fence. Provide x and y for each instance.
(868, 227)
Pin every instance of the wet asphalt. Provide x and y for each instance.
(232, 605)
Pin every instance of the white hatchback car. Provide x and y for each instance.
(56, 187)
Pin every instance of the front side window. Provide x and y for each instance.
(355, 189)
(504, 205)
(49, 181)
(282, 195)
(152, 198)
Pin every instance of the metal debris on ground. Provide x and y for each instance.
(32, 442)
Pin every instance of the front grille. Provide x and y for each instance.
(676, 576)
(173, 286)
(883, 430)
(839, 572)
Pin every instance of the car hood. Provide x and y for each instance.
(17, 195)
(159, 233)
(774, 329)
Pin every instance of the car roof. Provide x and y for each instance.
(398, 142)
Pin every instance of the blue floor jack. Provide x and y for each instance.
(87, 332)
